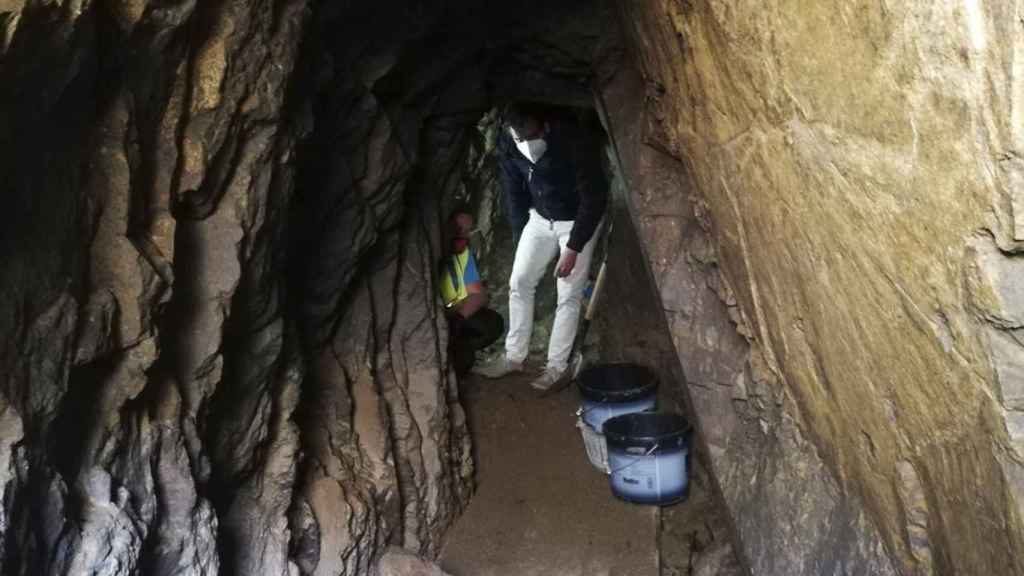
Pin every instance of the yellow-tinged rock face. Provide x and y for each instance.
(8, 24)
(210, 66)
(127, 12)
(858, 161)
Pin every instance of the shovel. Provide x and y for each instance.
(581, 337)
(576, 361)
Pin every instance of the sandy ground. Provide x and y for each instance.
(695, 538)
(540, 507)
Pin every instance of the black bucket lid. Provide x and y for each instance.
(616, 382)
(648, 428)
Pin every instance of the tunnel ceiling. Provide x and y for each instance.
(541, 51)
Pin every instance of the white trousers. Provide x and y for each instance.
(540, 242)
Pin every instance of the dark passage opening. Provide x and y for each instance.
(437, 99)
(225, 351)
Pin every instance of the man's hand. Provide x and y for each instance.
(476, 300)
(566, 263)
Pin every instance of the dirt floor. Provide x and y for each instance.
(694, 538)
(540, 507)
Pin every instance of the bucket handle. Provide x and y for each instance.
(635, 460)
(581, 411)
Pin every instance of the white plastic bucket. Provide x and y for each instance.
(594, 442)
(648, 457)
(596, 414)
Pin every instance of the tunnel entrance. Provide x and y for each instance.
(538, 506)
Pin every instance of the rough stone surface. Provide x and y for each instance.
(756, 451)
(219, 346)
(829, 200)
(401, 562)
(183, 392)
(140, 190)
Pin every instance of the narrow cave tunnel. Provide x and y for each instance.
(223, 350)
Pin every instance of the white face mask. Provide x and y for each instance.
(532, 149)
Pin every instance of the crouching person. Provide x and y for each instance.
(472, 325)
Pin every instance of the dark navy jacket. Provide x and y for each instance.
(566, 184)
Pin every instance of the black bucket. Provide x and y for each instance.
(616, 382)
(649, 457)
(609, 390)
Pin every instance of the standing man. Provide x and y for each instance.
(471, 324)
(555, 195)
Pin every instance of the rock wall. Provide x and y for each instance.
(828, 196)
(219, 347)
(142, 154)
(220, 351)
